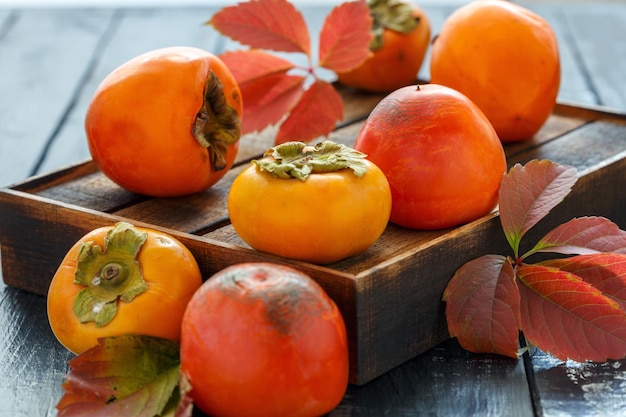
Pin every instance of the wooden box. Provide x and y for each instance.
(390, 295)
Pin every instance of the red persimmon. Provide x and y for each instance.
(442, 157)
(264, 340)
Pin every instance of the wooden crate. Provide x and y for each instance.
(390, 295)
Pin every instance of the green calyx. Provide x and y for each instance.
(108, 274)
(217, 123)
(396, 15)
(298, 160)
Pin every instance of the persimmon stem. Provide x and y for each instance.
(217, 124)
(393, 15)
(108, 274)
(299, 160)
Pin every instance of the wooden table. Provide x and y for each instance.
(52, 60)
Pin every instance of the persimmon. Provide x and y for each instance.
(264, 340)
(166, 123)
(119, 280)
(505, 58)
(319, 204)
(401, 32)
(443, 159)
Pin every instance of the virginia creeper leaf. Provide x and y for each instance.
(482, 306)
(268, 92)
(248, 65)
(268, 99)
(605, 271)
(316, 114)
(528, 193)
(126, 376)
(568, 317)
(264, 24)
(345, 36)
(584, 235)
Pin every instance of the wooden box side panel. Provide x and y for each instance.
(400, 310)
(402, 303)
(37, 233)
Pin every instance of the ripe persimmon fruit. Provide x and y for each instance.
(264, 340)
(505, 58)
(401, 32)
(166, 123)
(318, 204)
(442, 158)
(118, 280)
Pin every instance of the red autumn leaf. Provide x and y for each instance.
(345, 37)
(264, 24)
(316, 114)
(529, 192)
(126, 376)
(268, 91)
(584, 235)
(482, 306)
(605, 271)
(268, 99)
(251, 64)
(569, 318)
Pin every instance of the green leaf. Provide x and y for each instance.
(528, 193)
(125, 376)
(482, 306)
(568, 317)
(583, 235)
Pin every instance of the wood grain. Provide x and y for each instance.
(52, 60)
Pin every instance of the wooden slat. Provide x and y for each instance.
(33, 363)
(6, 20)
(435, 384)
(42, 55)
(599, 30)
(575, 84)
(578, 389)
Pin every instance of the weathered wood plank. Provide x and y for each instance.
(599, 32)
(33, 363)
(575, 84)
(435, 384)
(7, 17)
(578, 389)
(43, 54)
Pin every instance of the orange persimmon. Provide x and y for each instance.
(166, 123)
(318, 204)
(120, 280)
(401, 32)
(505, 58)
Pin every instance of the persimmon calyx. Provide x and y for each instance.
(108, 274)
(298, 159)
(217, 124)
(396, 15)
